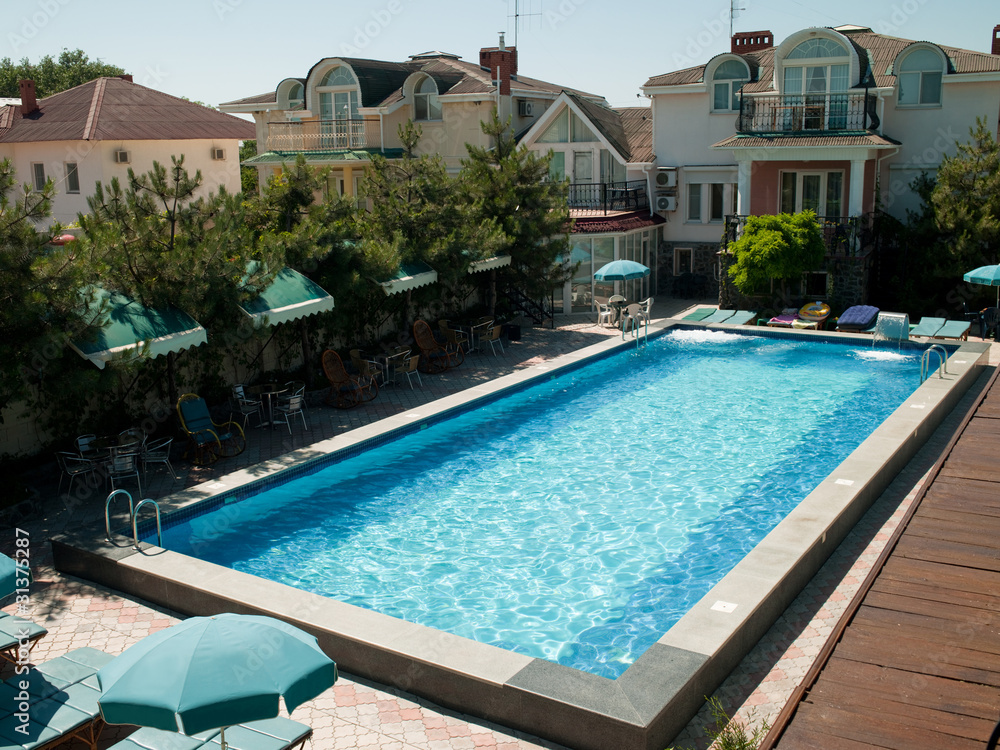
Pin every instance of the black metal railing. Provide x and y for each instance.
(609, 196)
(538, 310)
(843, 236)
(812, 113)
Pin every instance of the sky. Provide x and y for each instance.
(216, 51)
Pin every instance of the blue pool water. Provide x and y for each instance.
(575, 521)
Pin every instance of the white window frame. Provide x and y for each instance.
(38, 175)
(921, 76)
(72, 174)
(732, 86)
(431, 103)
(704, 191)
(824, 175)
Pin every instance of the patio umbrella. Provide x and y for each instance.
(621, 270)
(211, 672)
(987, 276)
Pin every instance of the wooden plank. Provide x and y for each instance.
(951, 576)
(951, 553)
(952, 526)
(929, 609)
(877, 730)
(855, 699)
(938, 594)
(798, 738)
(980, 636)
(917, 656)
(925, 691)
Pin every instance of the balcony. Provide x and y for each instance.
(843, 236)
(828, 114)
(324, 135)
(602, 198)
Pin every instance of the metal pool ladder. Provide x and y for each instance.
(925, 361)
(133, 514)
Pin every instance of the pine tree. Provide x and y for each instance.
(966, 201)
(509, 186)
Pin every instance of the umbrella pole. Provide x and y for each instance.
(222, 739)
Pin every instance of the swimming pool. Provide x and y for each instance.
(578, 520)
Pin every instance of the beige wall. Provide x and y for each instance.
(95, 161)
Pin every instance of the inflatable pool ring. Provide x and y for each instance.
(815, 311)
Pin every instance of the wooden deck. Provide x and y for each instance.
(915, 661)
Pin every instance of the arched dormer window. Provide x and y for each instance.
(727, 79)
(295, 96)
(918, 78)
(338, 95)
(425, 100)
(817, 66)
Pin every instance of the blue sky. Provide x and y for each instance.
(219, 50)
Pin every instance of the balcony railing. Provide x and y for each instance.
(324, 135)
(843, 236)
(813, 113)
(609, 196)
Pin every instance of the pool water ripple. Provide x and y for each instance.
(578, 520)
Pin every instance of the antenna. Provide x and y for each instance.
(734, 12)
(517, 16)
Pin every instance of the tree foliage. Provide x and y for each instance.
(50, 75)
(966, 201)
(248, 175)
(38, 287)
(508, 185)
(779, 247)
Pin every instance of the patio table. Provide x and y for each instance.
(268, 394)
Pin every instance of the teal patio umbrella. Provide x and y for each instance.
(987, 276)
(621, 270)
(214, 672)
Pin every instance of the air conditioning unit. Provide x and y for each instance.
(666, 202)
(666, 177)
(218, 154)
(122, 157)
(525, 108)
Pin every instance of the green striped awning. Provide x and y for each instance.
(409, 276)
(289, 296)
(134, 330)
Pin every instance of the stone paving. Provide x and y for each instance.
(359, 714)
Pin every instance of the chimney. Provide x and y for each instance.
(751, 41)
(996, 40)
(29, 104)
(503, 58)
(126, 77)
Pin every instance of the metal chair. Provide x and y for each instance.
(85, 444)
(158, 452)
(124, 465)
(72, 466)
(246, 405)
(284, 411)
(454, 337)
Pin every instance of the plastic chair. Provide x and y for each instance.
(284, 412)
(158, 452)
(408, 367)
(605, 315)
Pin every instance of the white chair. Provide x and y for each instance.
(632, 317)
(605, 315)
(158, 452)
(283, 412)
(647, 308)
